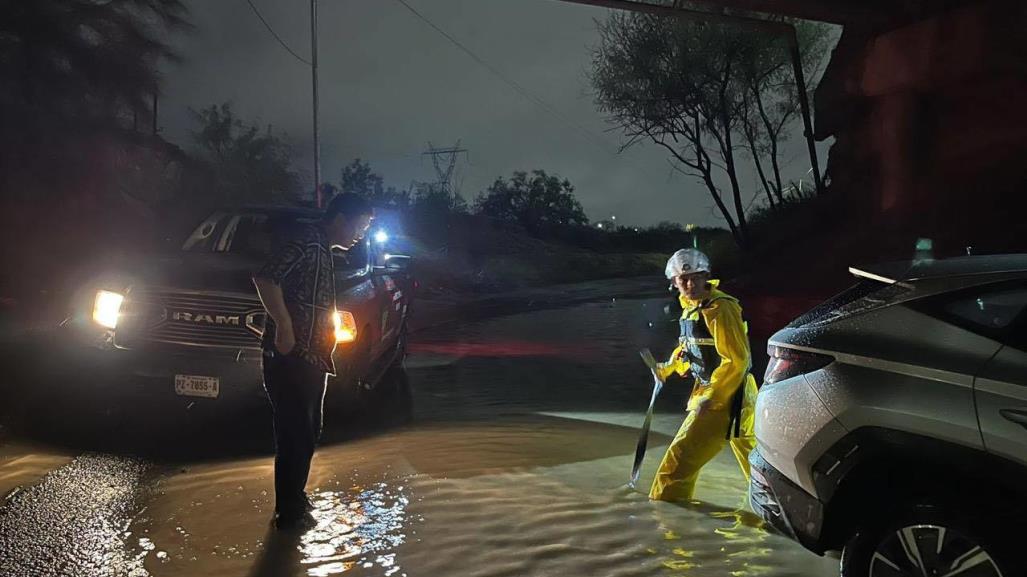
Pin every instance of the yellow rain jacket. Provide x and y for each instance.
(714, 349)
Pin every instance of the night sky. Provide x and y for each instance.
(389, 83)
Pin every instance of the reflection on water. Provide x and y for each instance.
(743, 552)
(516, 457)
(507, 348)
(738, 544)
(358, 530)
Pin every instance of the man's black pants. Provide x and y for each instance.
(296, 390)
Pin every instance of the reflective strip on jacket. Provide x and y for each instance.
(720, 361)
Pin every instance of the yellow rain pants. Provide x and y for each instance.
(705, 429)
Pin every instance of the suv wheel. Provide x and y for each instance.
(926, 542)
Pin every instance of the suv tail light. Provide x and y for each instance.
(786, 363)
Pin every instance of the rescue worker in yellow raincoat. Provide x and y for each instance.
(714, 349)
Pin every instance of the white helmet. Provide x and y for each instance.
(687, 260)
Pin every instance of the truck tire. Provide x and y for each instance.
(347, 395)
(395, 403)
(401, 346)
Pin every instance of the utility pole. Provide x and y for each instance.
(318, 193)
(444, 170)
(807, 119)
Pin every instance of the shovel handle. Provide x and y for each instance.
(648, 359)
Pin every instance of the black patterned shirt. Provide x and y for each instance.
(303, 267)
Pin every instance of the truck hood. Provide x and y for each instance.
(194, 271)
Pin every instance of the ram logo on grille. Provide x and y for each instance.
(205, 318)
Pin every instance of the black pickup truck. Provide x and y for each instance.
(182, 329)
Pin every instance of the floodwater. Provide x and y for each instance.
(505, 451)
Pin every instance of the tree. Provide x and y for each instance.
(434, 197)
(248, 164)
(82, 60)
(70, 69)
(694, 88)
(358, 178)
(668, 226)
(770, 103)
(536, 201)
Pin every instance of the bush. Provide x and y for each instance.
(796, 218)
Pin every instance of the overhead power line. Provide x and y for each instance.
(508, 81)
(277, 37)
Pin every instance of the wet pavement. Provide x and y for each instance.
(86, 533)
(503, 449)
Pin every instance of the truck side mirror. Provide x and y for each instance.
(396, 262)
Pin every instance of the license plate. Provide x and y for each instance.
(197, 386)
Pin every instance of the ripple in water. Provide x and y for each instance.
(358, 530)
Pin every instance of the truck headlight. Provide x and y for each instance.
(345, 326)
(107, 308)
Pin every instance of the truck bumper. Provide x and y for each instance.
(107, 376)
(89, 374)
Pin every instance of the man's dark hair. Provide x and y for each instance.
(348, 205)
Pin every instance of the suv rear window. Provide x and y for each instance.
(995, 311)
(861, 297)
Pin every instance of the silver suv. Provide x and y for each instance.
(892, 423)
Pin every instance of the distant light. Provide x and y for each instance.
(387, 256)
(381, 237)
(613, 218)
(600, 225)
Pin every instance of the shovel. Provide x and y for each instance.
(643, 436)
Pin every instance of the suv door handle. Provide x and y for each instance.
(1017, 416)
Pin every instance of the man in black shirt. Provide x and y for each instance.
(297, 288)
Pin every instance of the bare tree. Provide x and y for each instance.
(697, 90)
(770, 99)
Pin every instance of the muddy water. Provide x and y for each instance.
(513, 459)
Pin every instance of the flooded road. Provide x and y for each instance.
(505, 451)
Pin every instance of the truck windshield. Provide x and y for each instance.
(254, 235)
(249, 234)
(205, 236)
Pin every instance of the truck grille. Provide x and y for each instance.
(193, 319)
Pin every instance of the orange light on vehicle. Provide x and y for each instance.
(345, 327)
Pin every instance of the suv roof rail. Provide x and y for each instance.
(905, 271)
(877, 277)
